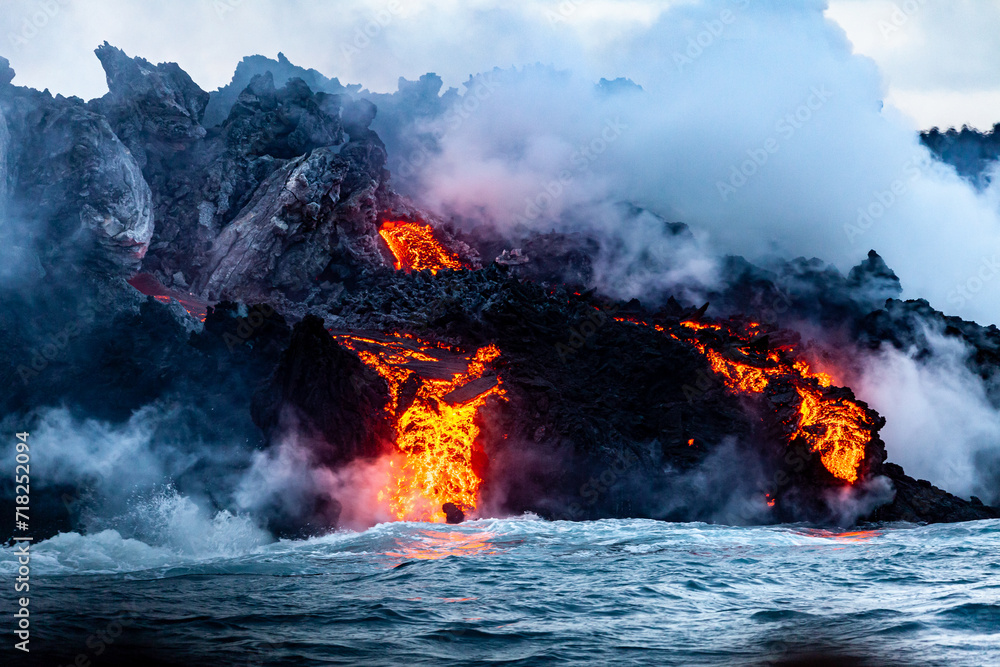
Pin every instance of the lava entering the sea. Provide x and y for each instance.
(435, 393)
(833, 425)
(830, 421)
(415, 248)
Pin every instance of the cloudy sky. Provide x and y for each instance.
(938, 58)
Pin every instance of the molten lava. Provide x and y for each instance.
(834, 426)
(435, 425)
(150, 286)
(415, 248)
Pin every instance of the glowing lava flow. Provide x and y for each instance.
(834, 426)
(415, 248)
(437, 431)
(150, 286)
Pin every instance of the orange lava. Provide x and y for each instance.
(436, 432)
(150, 286)
(850, 536)
(835, 427)
(415, 248)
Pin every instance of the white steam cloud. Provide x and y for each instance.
(284, 477)
(940, 424)
(120, 479)
(755, 123)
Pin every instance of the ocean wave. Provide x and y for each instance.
(177, 537)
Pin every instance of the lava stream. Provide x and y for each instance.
(834, 426)
(415, 248)
(150, 286)
(437, 431)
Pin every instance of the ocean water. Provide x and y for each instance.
(518, 592)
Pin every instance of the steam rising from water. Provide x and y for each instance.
(940, 424)
(143, 480)
(283, 480)
(138, 481)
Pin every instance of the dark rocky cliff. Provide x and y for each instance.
(277, 201)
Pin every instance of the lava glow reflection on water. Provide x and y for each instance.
(849, 536)
(432, 545)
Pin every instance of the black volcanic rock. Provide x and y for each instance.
(590, 398)
(452, 513)
(970, 151)
(804, 290)
(874, 279)
(314, 211)
(324, 396)
(76, 190)
(228, 219)
(282, 123)
(153, 108)
(358, 117)
(281, 71)
(920, 501)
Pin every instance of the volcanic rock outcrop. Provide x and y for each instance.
(973, 153)
(326, 397)
(262, 204)
(74, 189)
(271, 210)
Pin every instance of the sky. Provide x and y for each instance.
(937, 57)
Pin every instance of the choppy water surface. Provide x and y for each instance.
(521, 592)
